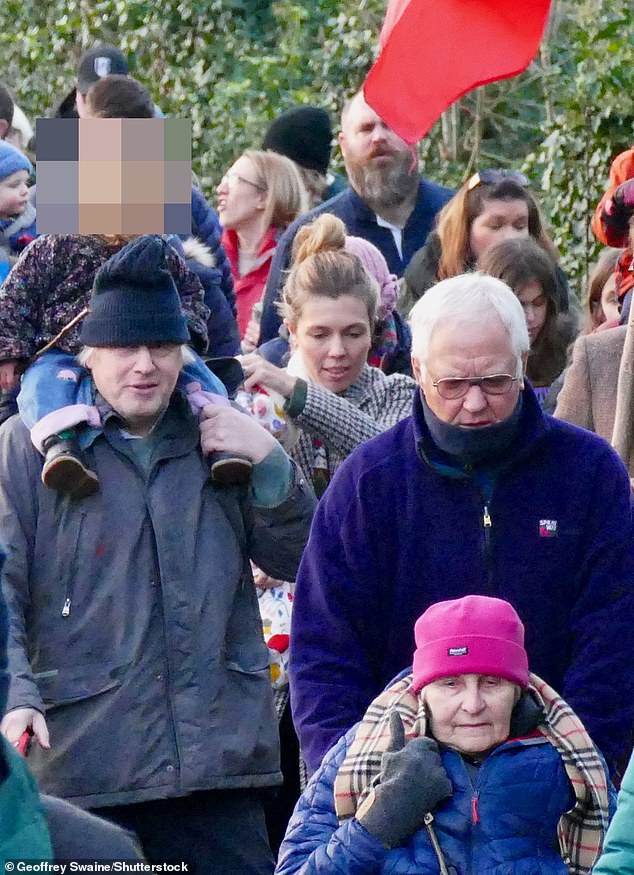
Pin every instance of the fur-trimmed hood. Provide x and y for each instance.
(194, 248)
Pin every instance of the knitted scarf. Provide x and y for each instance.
(581, 830)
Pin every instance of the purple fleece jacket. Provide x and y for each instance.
(396, 532)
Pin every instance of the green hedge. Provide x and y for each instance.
(232, 65)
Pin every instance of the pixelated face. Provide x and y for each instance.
(14, 194)
(114, 176)
(137, 381)
(470, 713)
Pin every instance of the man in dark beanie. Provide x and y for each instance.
(40, 827)
(304, 134)
(135, 637)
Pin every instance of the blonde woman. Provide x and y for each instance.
(335, 400)
(258, 197)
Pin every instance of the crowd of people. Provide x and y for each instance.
(289, 505)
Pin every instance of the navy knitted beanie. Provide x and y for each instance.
(134, 300)
(303, 134)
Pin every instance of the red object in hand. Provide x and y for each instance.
(433, 52)
(24, 744)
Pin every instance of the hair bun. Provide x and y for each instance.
(326, 234)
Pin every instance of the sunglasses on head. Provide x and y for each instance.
(491, 177)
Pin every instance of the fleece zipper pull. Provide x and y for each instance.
(66, 608)
(486, 517)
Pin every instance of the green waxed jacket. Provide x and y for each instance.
(134, 621)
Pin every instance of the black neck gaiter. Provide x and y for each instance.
(472, 446)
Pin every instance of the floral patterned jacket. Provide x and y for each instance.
(51, 283)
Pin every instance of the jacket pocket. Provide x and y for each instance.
(63, 686)
(262, 665)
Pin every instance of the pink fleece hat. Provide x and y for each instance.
(374, 262)
(472, 635)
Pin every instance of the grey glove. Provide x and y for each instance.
(413, 782)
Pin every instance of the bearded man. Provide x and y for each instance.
(388, 202)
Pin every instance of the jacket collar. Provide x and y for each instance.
(533, 425)
(364, 214)
(265, 252)
(10, 227)
(363, 386)
(177, 432)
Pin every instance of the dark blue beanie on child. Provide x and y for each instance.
(134, 300)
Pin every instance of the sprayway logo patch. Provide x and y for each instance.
(457, 651)
(548, 528)
(102, 66)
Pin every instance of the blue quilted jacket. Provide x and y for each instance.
(501, 820)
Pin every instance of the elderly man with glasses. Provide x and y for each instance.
(478, 492)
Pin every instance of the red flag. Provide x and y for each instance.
(434, 51)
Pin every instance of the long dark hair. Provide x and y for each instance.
(521, 261)
(601, 273)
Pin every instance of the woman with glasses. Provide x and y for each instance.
(258, 197)
(492, 206)
(532, 274)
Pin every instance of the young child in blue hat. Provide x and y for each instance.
(17, 213)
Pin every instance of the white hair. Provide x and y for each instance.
(468, 297)
(85, 354)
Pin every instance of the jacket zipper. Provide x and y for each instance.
(475, 817)
(476, 785)
(487, 525)
(475, 793)
(70, 586)
(169, 673)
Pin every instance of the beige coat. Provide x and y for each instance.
(600, 382)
